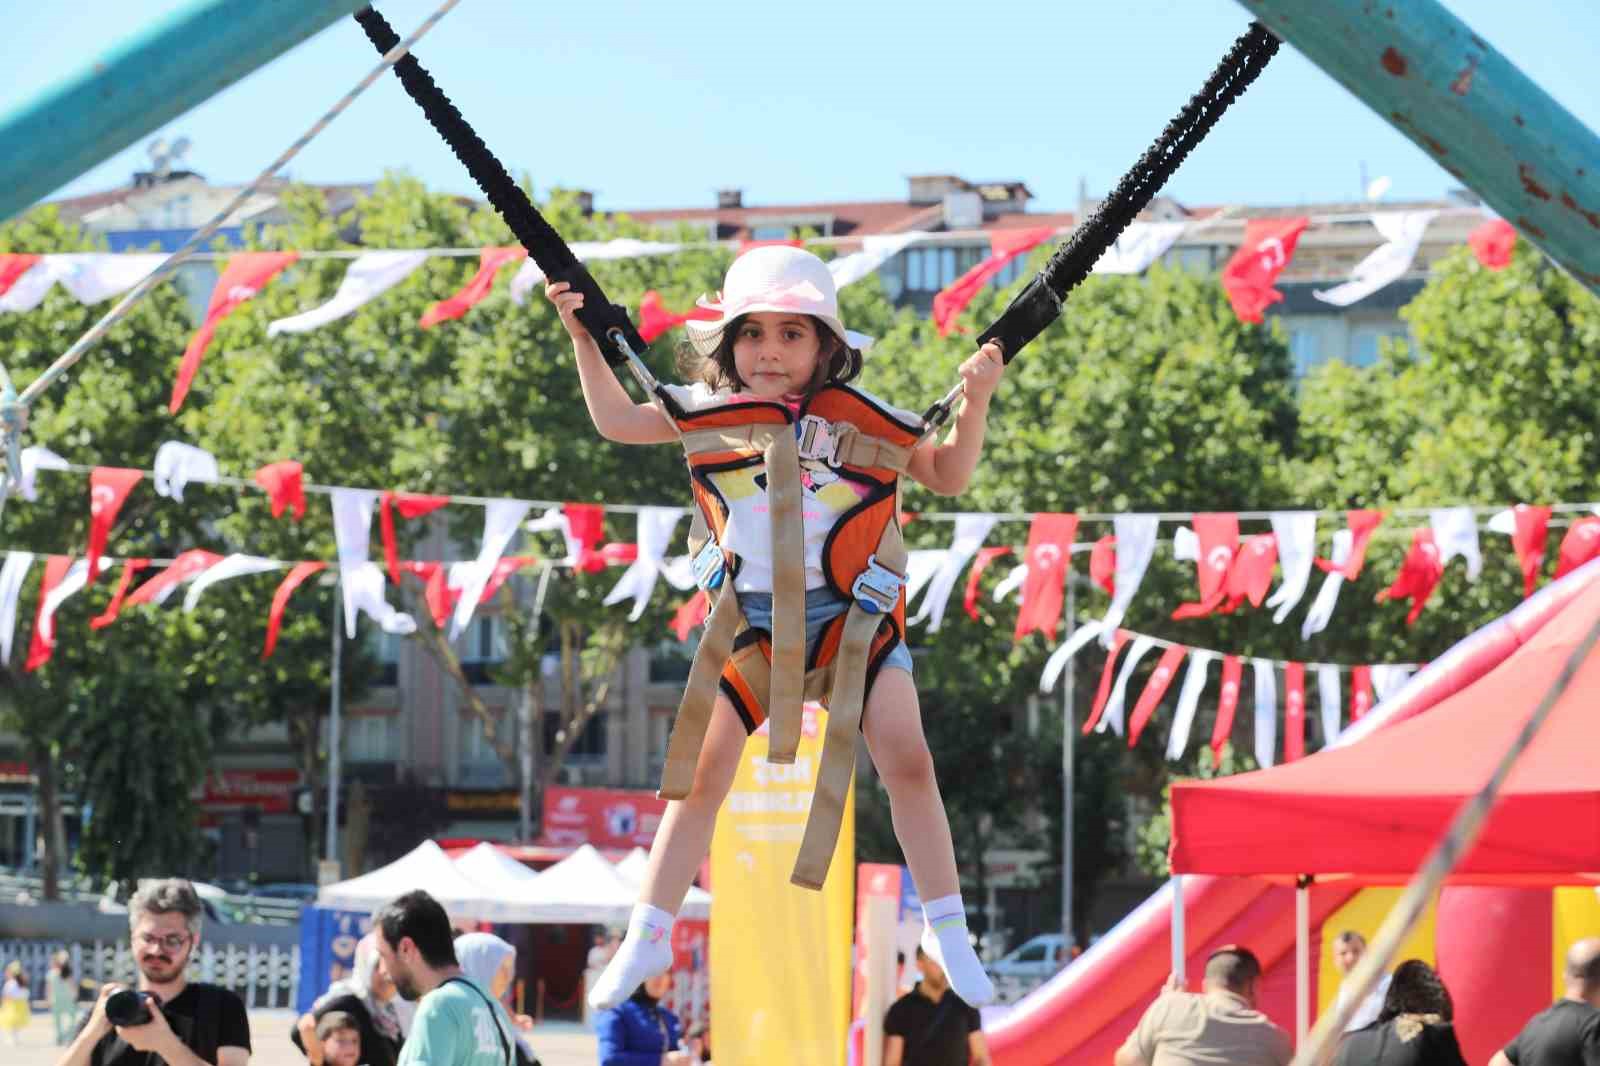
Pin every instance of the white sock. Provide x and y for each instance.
(645, 951)
(945, 940)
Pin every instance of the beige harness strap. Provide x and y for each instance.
(700, 695)
(788, 599)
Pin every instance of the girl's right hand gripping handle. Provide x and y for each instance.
(600, 316)
(1027, 316)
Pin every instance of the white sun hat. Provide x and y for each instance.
(772, 278)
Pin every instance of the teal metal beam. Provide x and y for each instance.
(1466, 105)
(118, 97)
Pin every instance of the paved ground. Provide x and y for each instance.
(556, 1043)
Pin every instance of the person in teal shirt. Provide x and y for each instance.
(457, 1022)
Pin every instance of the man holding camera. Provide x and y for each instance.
(168, 1019)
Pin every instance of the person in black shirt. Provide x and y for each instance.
(195, 1024)
(1415, 1026)
(1568, 1033)
(932, 1026)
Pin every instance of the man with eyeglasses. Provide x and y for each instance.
(191, 1024)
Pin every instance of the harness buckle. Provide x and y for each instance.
(815, 440)
(877, 588)
(708, 566)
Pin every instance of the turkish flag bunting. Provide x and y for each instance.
(980, 563)
(280, 600)
(1049, 559)
(12, 266)
(1581, 544)
(1419, 574)
(1493, 242)
(1294, 711)
(284, 482)
(411, 506)
(1004, 246)
(1362, 525)
(108, 488)
(1268, 246)
(781, 242)
(1528, 540)
(1219, 542)
(503, 569)
(1104, 692)
(1154, 689)
(1227, 704)
(1360, 692)
(1251, 575)
(1103, 563)
(43, 644)
(190, 564)
(245, 275)
(655, 319)
(490, 260)
(690, 613)
(586, 521)
(114, 608)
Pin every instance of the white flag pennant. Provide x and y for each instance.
(33, 460)
(1138, 246)
(89, 276)
(370, 275)
(1297, 545)
(530, 274)
(1136, 543)
(656, 525)
(352, 533)
(364, 587)
(1194, 683)
(1321, 612)
(1455, 532)
(236, 565)
(1117, 705)
(177, 464)
(1266, 711)
(1328, 702)
(77, 577)
(1402, 233)
(875, 251)
(1388, 679)
(1011, 582)
(12, 575)
(1070, 647)
(970, 531)
(501, 518)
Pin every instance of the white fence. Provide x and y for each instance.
(262, 976)
(234, 908)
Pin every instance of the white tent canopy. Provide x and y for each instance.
(696, 904)
(426, 867)
(485, 864)
(582, 888)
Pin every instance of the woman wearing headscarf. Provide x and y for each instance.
(367, 995)
(491, 964)
(1414, 1028)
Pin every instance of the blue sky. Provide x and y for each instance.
(658, 105)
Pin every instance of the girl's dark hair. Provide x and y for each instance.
(1416, 989)
(837, 362)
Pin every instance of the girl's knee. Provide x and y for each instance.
(908, 764)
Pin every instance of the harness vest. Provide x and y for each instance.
(768, 676)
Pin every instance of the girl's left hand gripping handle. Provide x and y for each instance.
(600, 316)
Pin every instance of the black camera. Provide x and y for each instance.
(130, 1006)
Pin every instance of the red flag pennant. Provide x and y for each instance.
(411, 506)
(1103, 693)
(1294, 711)
(1049, 558)
(1362, 525)
(280, 600)
(786, 242)
(12, 266)
(1103, 563)
(1581, 544)
(655, 319)
(43, 644)
(1251, 575)
(114, 608)
(1154, 689)
(1268, 246)
(1493, 242)
(283, 482)
(503, 569)
(246, 274)
(980, 563)
(1227, 704)
(108, 488)
(490, 260)
(439, 596)
(190, 564)
(1004, 246)
(1360, 692)
(1419, 574)
(1528, 540)
(690, 613)
(1219, 542)
(586, 521)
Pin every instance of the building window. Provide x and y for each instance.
(1305, 348)
(475, 746)
(591, 743)
(385, 648)
(771, 232)
(372, 738)
(928, 270)
(1365, 342)
(483, 647)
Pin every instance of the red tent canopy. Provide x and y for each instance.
(1375, 809)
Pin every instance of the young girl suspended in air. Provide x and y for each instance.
(778, 340)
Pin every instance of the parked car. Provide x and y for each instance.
(1032, 960)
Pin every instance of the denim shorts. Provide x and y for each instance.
(822, 607)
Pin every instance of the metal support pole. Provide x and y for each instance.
(1429, 76)
(1302, 959)
(1179, 949)
(1068, 757)
(331, 848)
(115, 98)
